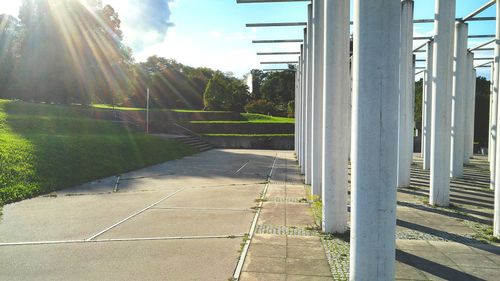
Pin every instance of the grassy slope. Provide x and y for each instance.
(107, 106)
(44, 148)
(249, 118)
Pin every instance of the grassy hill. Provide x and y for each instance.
(44, 148)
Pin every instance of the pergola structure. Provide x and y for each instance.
(361, 108)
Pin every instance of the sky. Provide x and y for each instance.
(212, 33)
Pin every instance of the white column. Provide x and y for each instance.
(496, 218)
(441, 102)
(493, 122)
(492, 144)
(336, 105)
(461, 70)
(306, 103)
(427, 109)
(317, 144)
(300, 107)
(470, 102)
(296, 104)
(422, 134)
(406, 79)
(375, 138)
(310, 75)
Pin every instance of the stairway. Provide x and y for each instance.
(195, 142)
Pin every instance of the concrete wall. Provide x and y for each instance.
(238, 128)
(282, 143)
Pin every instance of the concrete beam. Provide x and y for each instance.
(406, 96)
(375, 139)
(276, 24)
(441, 103)
(336, 111)
(317, 111)
(461, 71)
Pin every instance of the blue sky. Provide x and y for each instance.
(212, 33)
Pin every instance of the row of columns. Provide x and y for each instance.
(380, 139)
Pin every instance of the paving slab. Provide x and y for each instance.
(149, 260)
(70, 217)
(169, 222)
(242, 196)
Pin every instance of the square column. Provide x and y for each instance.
(470, 108)
(496, 212)
(336, 111)
(407, 78)
(374, 139)
(444, 25)
(461, 70)
(317, 126)
(427, 108)
(309, 89)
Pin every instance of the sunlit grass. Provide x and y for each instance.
(107, 106)
(44, 148)
(260, 118)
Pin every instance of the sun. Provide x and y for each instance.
(10, 7)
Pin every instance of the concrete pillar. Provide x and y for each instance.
(492, 144)
(317, 126)
(427, 109)
(493, 122)
(406, 79)
(461, 71)
(310, 75)
(298, 116)
(374, 139)
(296, 104)
(306, 102)
(422, 135)
(469, 109)
(496, 212)
(336, 105)
(441, 102)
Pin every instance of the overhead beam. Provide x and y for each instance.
(276, 24)
(278, 41)
(457, 19)
(267, 1)
(278, 53)
(481, 45)
(478, 11)
(483, 64)
(279, 62)
(278, 69)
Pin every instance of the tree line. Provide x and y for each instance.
(72, 52)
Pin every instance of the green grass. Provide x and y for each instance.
(260, 118)
(107, 106)
(248, 135)
(44, 148)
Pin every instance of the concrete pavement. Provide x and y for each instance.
(181, 220)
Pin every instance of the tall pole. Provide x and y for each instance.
(147, 111)
(405, 141)
(470, 110)
(375, 138)
(427, 109)
(310, 75)
(493, 122)
(441, 102)
(303, 121)
(461, 70)
(317, 134)
(496, 212)
(336, 110)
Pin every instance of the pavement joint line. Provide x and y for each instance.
(203, 209)
(35, 243)
(242, 167)
(115, 189)
(244, 252)
(134, 215)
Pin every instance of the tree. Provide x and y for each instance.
(225, 93)
(9, 41)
